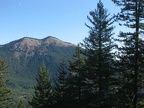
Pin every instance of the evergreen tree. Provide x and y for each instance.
(43, 97)
(60, 86)
(132, 56)
(21, 104)
(5, 93)
(99, 59)
(76, 78)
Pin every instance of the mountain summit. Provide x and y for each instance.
(32, 42)
(26, 46)
(52, 40)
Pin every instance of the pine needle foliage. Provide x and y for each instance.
(131, 52)
(76, 78)
(43, 97)
(5, 93)
(99, 58)
(61, 86)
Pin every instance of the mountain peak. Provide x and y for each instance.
(55, 41)
(29, 42)
(49, 37)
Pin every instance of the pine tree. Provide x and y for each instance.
(5, 93)
(76, 79)
(60, 86)
(132, 56)
(43, 97)
(99, 58)
(21, 104)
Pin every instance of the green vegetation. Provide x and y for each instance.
(21, 104)
(76, 81)
(43, 90)
(131, 58)
(99, 59)
(101, 74)
(61, 94)
(5, 93)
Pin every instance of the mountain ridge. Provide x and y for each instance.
(48, 38)
(27, 45)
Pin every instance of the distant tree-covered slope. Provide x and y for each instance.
(25, 56)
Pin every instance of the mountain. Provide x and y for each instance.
(25, 56)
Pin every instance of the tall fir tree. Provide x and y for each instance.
(60, 87)
(43, 97)
(21, 104)
(99, 58)
(76, 78)
(132, 56)
(5, 93)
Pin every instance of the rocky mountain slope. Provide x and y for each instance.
(26, 55)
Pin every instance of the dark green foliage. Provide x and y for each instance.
(132, 56)
(21, 104)
(99, 59)
(61, 94)
(70, 82)
(43, 90)
(5, 93)
(76, 79)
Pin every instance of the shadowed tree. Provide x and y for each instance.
(99, 58)
(132, 51)
(5, 93)
(21, 104)
(76, 78)
(43, 97)
(60, 87)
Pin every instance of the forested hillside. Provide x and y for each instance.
(24, 57)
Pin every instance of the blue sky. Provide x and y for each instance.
(63, 19)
